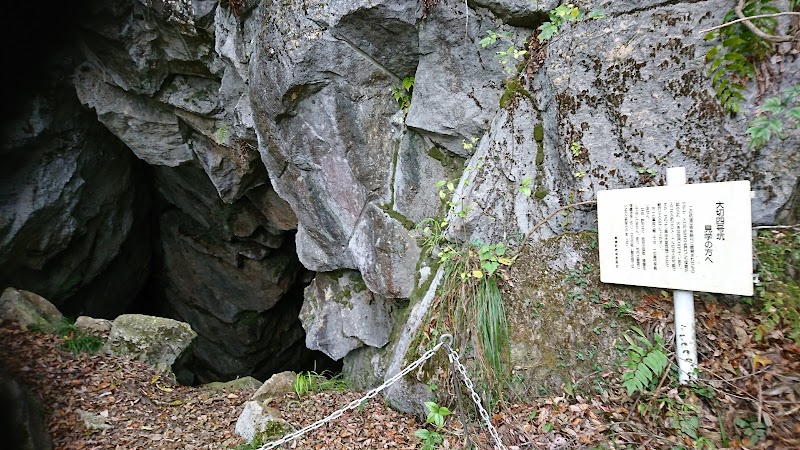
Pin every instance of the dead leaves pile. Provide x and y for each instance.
(131, 405)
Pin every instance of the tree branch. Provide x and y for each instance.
(544, 221)
(760, 16)
(757, 31)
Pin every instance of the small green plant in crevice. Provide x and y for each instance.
(565, 13)
(525, 187)
(436, 417)
(646, 171)
(75, 340)
(509, 57)
(309, 382)
(575, 148)
(403, 94)
(446, 190)
(221, 136)
(430, 232)
(646, 361)
(772, 115)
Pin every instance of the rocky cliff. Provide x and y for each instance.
(230, 152)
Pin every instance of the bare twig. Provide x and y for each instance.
(757, 31)
(759, 16)
(544, 221)
(776, 227)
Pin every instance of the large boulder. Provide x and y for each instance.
(340, 314)
(156, 341)
(28, 310)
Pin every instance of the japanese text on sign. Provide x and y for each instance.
(689, 237)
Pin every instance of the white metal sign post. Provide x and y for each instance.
(683, 307)
(685, 237)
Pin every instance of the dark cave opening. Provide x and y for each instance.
(133, 280)
(290, 354)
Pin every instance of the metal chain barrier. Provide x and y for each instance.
(355, 403)
(447, 339)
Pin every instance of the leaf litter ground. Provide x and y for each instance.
(748, 397)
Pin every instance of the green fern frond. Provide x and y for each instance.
(645, 363)
(732, 62)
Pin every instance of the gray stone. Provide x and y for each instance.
(633, 91)
(147, 127)
(94, 421)
(326, 131)
(518, 12)
(258, 418)
(420, 165)
(339, 314)
(28, 310)
(385, 253)
(277, 386)
(238, 384)
(93, 326)
(156, 341)
(197, 95)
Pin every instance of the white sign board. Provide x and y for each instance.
(691, 237)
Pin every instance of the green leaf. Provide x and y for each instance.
(772, 105)
(490, 267)
(490, 39)
(422, 434)
(712, 53)
(597, 13)
(408, 83)
(733, 42)
(548, 30)
(793, 91)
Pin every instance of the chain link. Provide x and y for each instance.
(453, 356)
(355, 403)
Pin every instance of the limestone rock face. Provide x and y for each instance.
(457, 87)
(275, 149)
(328, 126)
(173, 89)
(72, 207)
(633, 91)
(155, 341)
(340, 314)
(616, 100)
